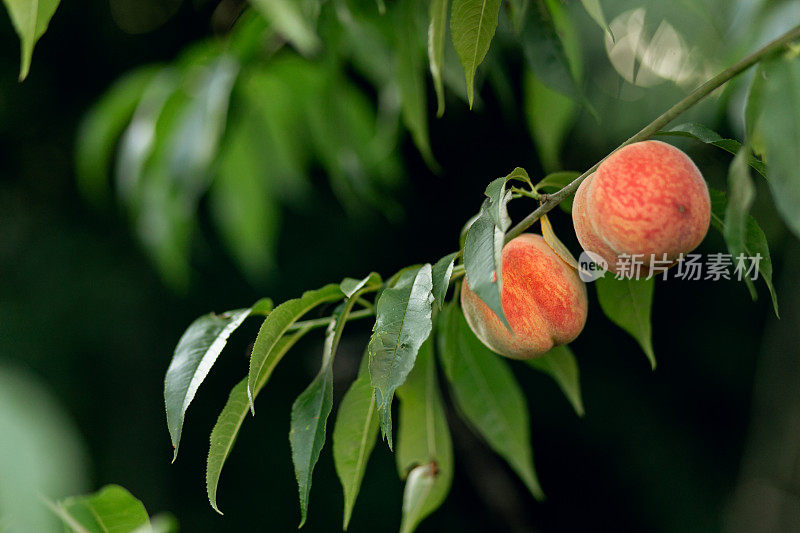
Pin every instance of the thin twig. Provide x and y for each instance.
(668, 116)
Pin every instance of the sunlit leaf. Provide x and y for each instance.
(424, 450)
(437, 31)
(230, 420)
(351, 286)
(560, 364)
(472, 25)
(110, 509)
(354, 437)
(487, 395)
(627, 303)
(196, 353)
(30, 19)
(403, 322)
(780, 119)
(277, 323)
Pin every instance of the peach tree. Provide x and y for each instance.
(420, 329)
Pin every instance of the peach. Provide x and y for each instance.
(543, 300)
(647, 200)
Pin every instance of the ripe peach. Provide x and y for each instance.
(543, 300)
(646, 200)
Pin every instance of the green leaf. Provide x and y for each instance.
(483, 248)
(627, 303)
(354, 437)
(560, 364)
(350, 286)
(290, 21)
(752, 111)
(441, 272)
(425, 449)
(311, 409)
(696, 131)
(437, 30)
(755, 242)
(247, 216)
(550, 115)
(518, 10)
(196, 353)
(110, 509)
(100, 130)
(487, 395)
(741, 195)
(410, 78)
(403, 322)
(596, 12)
(230, 420)
(472, 25)
(307, 435)
(554, 59)
(277, 323)
(780, 126)
(557, 181)
(30, 20)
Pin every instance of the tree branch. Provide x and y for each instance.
(668, 116)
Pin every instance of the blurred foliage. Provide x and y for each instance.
(80, 306)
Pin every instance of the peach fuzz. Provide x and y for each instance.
(647, 198)
(543, 299)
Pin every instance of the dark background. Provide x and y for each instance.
(83, 308)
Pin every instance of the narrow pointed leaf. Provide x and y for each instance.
(277, 323)
(101, 129)
(780, 127)
(423, 441)
(437, 31)
(30, 20)
(441, 272)
(550, 114)
(627, 303)
(741, 195)
(595, 11)
(350, 286)
(311, 409)
(483, 248)
(518, 10)
(196, 353)
(230, 420)
(487, 395)
(307, 436)
(698, 132)
(289, 20)
(402, 324)
(411, 78)
(755, 242)
(354, 437)
(472, 25)
(560, 364)
(112, 508)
